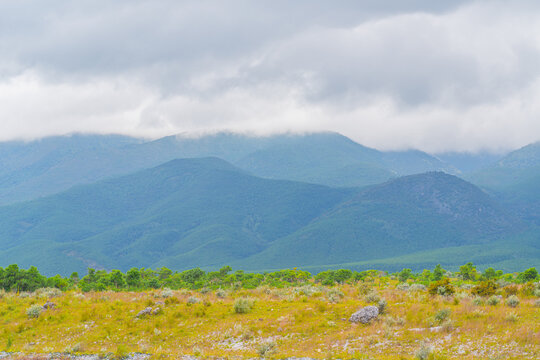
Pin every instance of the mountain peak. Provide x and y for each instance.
(443, 193)
(209, 162)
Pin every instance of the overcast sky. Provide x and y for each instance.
(432, 75)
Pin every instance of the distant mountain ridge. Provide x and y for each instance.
(40, 168)
(206, 212)
(314, 201)
(515, 181)
(403, 216)
(182, 207)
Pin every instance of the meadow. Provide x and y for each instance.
(306, 319)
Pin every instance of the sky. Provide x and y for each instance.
(431, 75)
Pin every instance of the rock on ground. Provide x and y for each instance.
(365, 315)
(144, 312)
(49, 305)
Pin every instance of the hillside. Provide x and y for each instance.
(40, 168)
(404, 216)
(32, 169)
(193, 212)
(208, 213)
(515, 181)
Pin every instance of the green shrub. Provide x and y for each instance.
(478, 301)
(193, 300)
(243, 305)
(512, 301)
(166, 293)
(417, 287)
(372, 297)
(441, 287)
(510, 290)
(485, 288)
(382, 306)
(268, 348)
(335, 295)
(172, 301)
(447, 325)
(512, 317)
(493, 300)
(220, 293)
(48, 292)
(204, 290)
(34, 311)
(424, 353)
(363, 289)
(442, 315)
(402, 286)
(309, 290)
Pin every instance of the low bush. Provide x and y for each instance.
(34, 311)
(485, 288)
(243, 305)
(372, 297)
(220, 293)
(48, 292)
(417, 287)
(335, 295)
(512, 301)
(382, 304)
(424, 353)
(478, 301)
(403, 286)
(441, 287)
(493, 300)
(166, 293)
(512, 317)
(442, 315)
(267, 348)
(364, 289)
(510, 290)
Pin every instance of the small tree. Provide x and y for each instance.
(528, 275)
(404, 275)
(133, 278)
(438, 273)
(468, 271)
(490, 273)
(116, 279)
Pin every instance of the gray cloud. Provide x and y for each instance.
(437, 76)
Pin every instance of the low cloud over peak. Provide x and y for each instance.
(436, 76)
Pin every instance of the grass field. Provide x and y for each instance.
(308, 321)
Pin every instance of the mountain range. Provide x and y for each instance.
(50, 165)
(313, 201)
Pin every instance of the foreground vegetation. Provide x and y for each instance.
(434, 314)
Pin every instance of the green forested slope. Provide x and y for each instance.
(407, 215)
(44, 167)
(208, 213)
(197, 211)
(515, 181)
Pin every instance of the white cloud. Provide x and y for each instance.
(463, 79)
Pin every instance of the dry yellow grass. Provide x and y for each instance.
(311, 323)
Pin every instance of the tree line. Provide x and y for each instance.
(13, 278)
